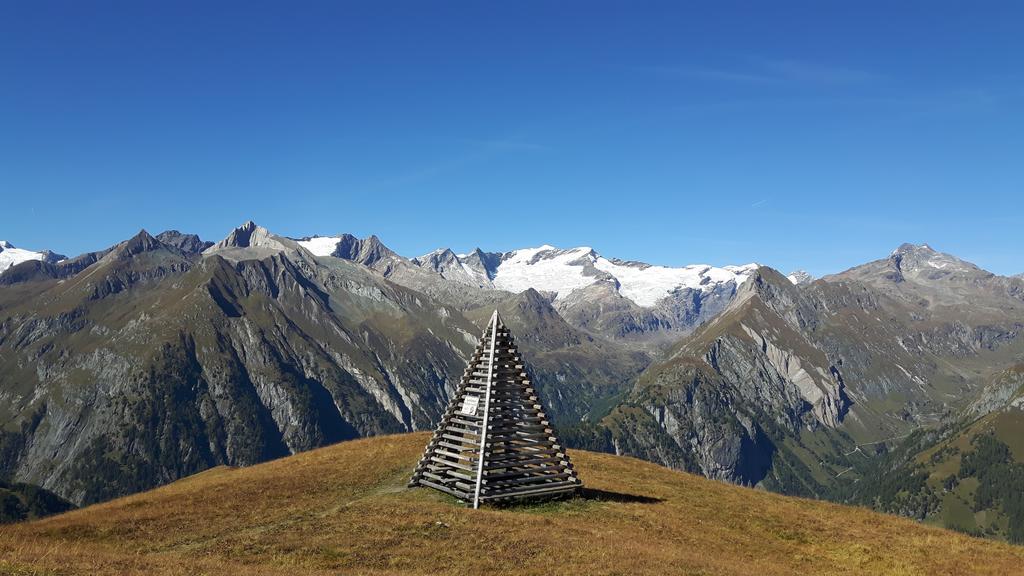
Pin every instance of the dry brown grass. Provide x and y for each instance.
(344, 509)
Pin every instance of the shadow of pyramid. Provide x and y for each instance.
(585, 493)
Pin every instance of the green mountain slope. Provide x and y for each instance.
(973, 469)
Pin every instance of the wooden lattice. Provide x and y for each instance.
(494, 441)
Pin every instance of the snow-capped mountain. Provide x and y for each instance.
(800, 277)
(10, 256)
(605, 296)
(562, 272)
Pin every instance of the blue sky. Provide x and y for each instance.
(816, 135)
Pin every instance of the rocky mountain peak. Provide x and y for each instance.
(922, 259)
(246, 235)
(473, 269)
(141, 242)
(51, 256)
(916, 263)
(483, 264)
(250, 240)
(799, 277)
(5, 244)
(767, 283)
(373, 250)
(908, 248)
(438, 259)
(535, 298)
(488, 260)
(187, 243)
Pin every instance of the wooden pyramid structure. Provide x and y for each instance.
(494, 441)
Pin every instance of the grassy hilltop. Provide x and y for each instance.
(345, 509)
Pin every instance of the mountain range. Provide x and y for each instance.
(161, 356)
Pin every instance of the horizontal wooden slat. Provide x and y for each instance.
(516, 464)
(550, 489)
(458, 494)
(509, 480)
(452, 464)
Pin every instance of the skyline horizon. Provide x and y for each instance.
(462, 251)
(659, 132)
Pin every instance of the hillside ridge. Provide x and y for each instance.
(344, 509)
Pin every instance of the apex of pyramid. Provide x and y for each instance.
(495, 321)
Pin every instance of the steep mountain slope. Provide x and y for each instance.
(791, 382)
(11, 256)
(152, 363)
(746, 398)
(345, 509)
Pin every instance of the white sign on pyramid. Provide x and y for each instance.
(494, 441)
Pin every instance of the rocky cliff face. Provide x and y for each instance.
(152, 363)
(864, 357)
(732, 393)
(1004, 392)
(687, 418)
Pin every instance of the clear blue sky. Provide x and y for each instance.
(815, 134)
